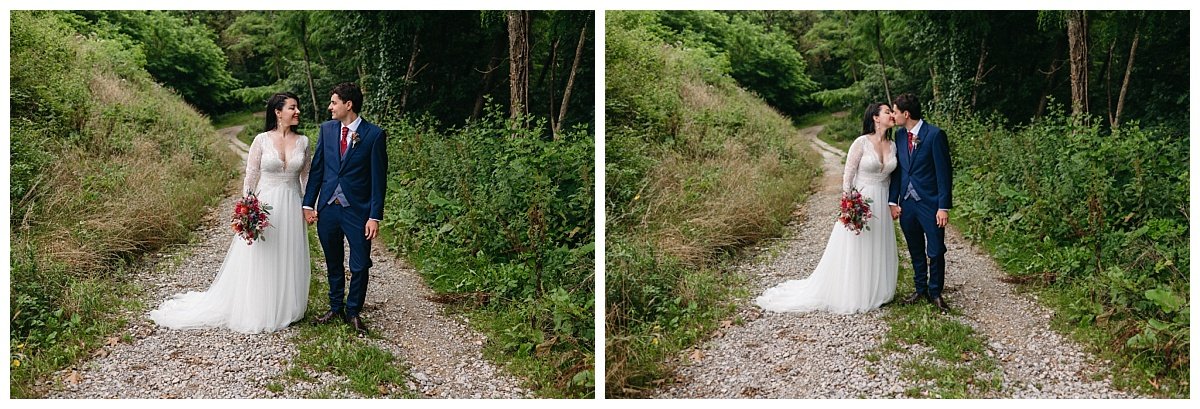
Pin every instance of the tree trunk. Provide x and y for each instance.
(552, 67)
(1125, 83)
(308, 71)
(1077, 35)
(518, 63)
(546, 68)
(562, 108)
(1049, 82)
(1108, 80)
(979, 74)
(887, 89)
(932, 80)
(411, 73)
(486, 81)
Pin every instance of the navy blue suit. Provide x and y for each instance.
(362, 174)
(922, 184)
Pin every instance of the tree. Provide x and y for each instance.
(518, 63)
(1077, 37)
(879, 48)
(299, 25)
(1116, 119)
(180, 55)
(562, 113)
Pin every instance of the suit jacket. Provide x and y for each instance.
(362, 172)
(927, 168)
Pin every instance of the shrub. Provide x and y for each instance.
(505, 217)
(1096, 219)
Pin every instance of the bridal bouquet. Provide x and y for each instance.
(855, 211)
(250, 218)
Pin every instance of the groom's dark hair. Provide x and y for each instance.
(908, 102)
(348, 91)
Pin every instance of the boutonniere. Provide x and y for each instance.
(354, 139)
(915, 140)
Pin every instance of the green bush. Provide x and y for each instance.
(180, 54)
(762, 59)
(500, 213)
(1096, 219)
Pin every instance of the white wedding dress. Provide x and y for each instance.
(857, 273)
(263, 286)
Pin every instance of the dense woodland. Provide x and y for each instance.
(490, 120)
(1069, 133)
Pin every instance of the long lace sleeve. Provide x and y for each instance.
(307, 165)
(253, 165)
(852, 160)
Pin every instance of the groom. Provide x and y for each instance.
(920, 197)
(349, 165)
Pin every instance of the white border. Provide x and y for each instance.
(600, 259)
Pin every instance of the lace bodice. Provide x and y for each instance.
(863, 165)
(266, 166)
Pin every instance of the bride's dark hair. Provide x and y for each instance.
(276, 103)
(869, 120)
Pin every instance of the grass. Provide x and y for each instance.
(226, 120)
(252, 120)
(368, 370)
(539, 372)
(1128, 371)
(957, 365)
(841, 131)
(549, 363)
(72, 332)
(815, 118)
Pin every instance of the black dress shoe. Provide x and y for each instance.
(358, 325)
(941, 304)
(913, 298)
(328, 317)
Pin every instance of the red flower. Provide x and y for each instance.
(250, 218)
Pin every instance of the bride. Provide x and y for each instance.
(857, 273)
(262, 286)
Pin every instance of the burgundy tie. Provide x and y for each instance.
(342, 150)
(910, 142)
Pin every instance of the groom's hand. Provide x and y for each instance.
(895, 212)
(943, 217)
(372, 229)
(310, 216)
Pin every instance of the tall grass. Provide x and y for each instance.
(697, 169)
(107, 166)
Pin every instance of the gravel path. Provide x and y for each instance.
(143, 361)
(823, 355)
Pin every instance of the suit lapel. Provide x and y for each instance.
(903, 154)
(331, 143)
